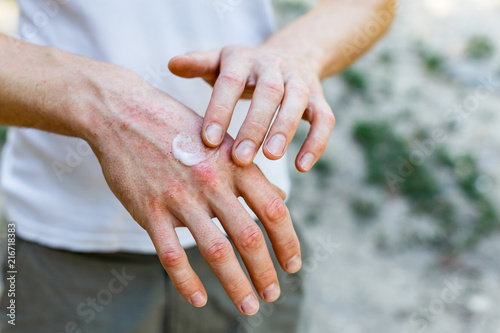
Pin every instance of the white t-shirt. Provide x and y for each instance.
(53, 185)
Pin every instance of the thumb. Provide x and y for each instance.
(196, 64)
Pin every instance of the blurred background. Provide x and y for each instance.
(403, 210)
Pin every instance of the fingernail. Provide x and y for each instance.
(213, 133)
(272, 292)
(307, 161)
(276, 145)
(198, 299)
(245, 151)
(293, 265)
(250, 305)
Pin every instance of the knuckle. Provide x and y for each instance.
(208, 176)
(288, 120)
(291, 245)
(251, 238)
(276, 210)
(213, 188)
(216, 186)
(221, 109)
(266, 275)
(256, 126)
(219, 252)
(274, 60)
(320, 144)
(172, 257)
(273, 89)
(300, 90)
(175, 191)
(330, 119)
(183, 284)
(235, 286)
(232, 78)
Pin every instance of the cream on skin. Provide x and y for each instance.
(188, 151)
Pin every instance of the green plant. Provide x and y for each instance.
(387, 153)
(355, 79)
(480, 48)
(365, 209)
(467, 173)
(323, 167)
(3, 134)
(386, 57)
(432, 61)
(311, 218)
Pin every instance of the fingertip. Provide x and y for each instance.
(174, 59)
(305, 162)
(294, 264)
(244, 153)
(213, 135)
(239, 163)
(275, 146)
(250, 305)
(177, 65)
(300, 169)
(270, 156)
(198, 299)
(271, 153)
(271, 293)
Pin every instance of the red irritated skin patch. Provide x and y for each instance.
(207, 169)
(156, 164)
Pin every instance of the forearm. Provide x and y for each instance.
(51, 90)
(329, 36)
(32, 83)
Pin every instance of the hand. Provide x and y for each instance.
(133, 141)
(273, 79)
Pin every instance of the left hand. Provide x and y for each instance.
(272, 79)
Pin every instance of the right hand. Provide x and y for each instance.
(132, 138)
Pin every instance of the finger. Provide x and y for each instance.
(273, 213)
(322, 122)
(219, 254)
(227, 91)
(173, 258)
(196, 64)
(285, 125)
(278, 190)
(250, 243)
(266, 99)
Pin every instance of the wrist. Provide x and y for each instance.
(119, 105)
(73, 93)
(99, 96)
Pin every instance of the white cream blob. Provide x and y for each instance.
(188, 151)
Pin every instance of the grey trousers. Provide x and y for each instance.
(60, 291)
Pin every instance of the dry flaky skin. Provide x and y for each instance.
(130, 126)
(160, 192)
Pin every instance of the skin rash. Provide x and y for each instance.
(190, 151)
